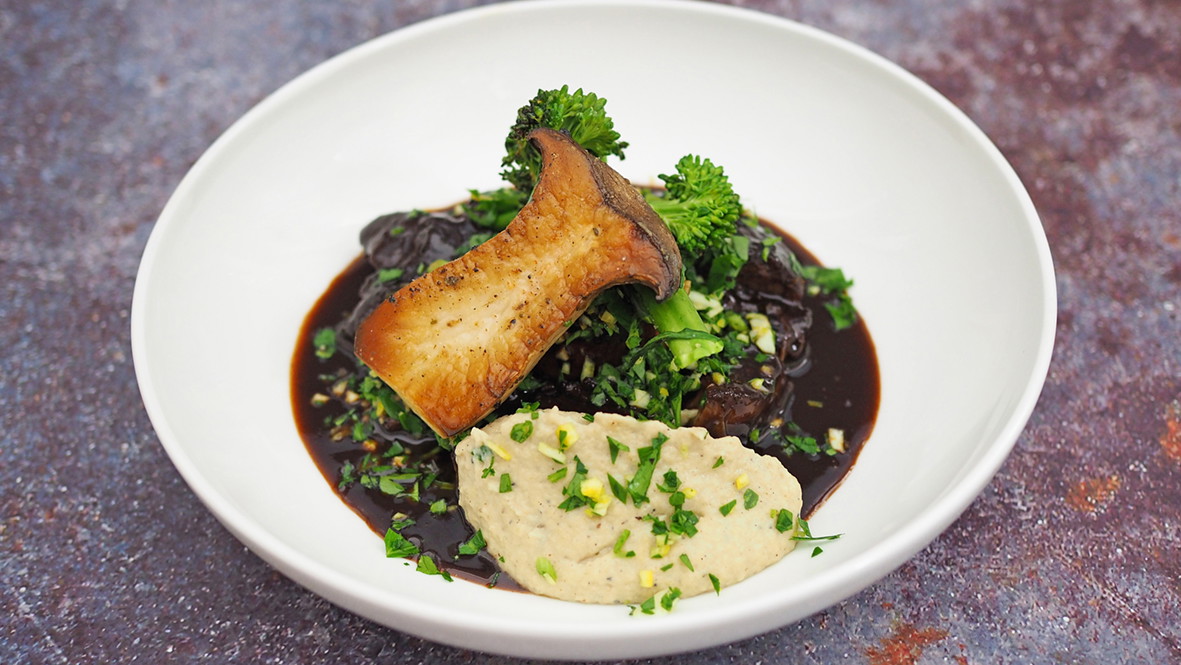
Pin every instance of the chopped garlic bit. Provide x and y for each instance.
(761, 332)
(836, 439)
(551, 452)
(647, 579)
(703, 303)
(567, 436)
(598, 509)
(592, 488)
(500, 451)
(662, 545)
(641, 399)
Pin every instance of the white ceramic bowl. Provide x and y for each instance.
(869, 167)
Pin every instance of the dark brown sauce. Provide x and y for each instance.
(829, 381)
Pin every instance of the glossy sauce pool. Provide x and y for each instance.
(835, 385)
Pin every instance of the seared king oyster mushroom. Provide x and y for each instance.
(456, 341)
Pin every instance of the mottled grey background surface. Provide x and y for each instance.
(1071, 555)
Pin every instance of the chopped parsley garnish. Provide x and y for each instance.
(427, 566)
(389, 274)
(637, 487)
(473, 545)
(717, 584)
(620, 542)
(664, 600)
(769, 242)
(573, 490)
(506, 483)
(833, 285)
(784, 520)
(816, 551)
(348, 476)
(683, 522)
(750, 499)
(670, 483)
(325, 343)
(685, 560)
(614, 446)
(718, 462)
(805, 533)
(618, 490)
(546, 570)
(521, 431)
(488, 470)
(803, 443)
(725, 508)
(392, 484)
(669, 597)
(398, 546)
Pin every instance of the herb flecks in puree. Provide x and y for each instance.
(624, 510)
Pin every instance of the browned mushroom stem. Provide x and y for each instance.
(456, 341)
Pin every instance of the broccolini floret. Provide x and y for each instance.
(580, 114)
(698, 204)
(701, 209)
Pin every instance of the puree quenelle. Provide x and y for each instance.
(609, 509)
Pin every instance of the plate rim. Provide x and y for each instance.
(641, 638)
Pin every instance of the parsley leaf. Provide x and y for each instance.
(619, 543)
(521, 431)
(325, 343)
(637, 487)
(750, 499)
(784, 520)
(832, 283)
(473, 545)
(614, 446)
(398, 546)
(427, 566)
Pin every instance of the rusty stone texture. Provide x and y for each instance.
(1071, 555)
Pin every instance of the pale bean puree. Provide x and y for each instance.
(597, 548)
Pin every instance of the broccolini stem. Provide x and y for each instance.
(675, 314)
